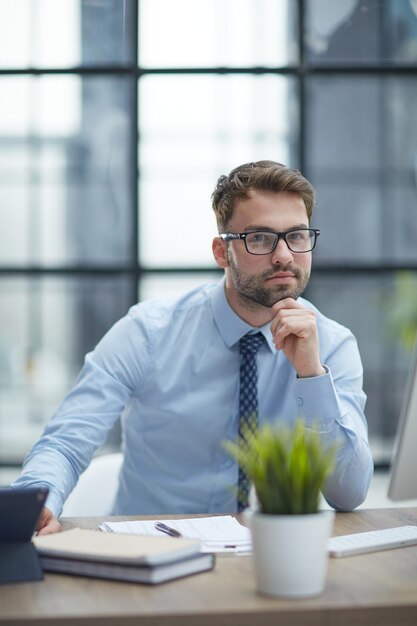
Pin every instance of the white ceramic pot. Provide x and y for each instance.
(290, 552)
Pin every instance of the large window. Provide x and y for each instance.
(117, 117)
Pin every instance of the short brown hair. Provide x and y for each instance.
(263, 176)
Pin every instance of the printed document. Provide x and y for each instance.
(221, 533)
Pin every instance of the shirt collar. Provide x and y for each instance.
(230, 325)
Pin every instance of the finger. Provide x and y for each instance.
(286, 314)
(302, 327)
(43, 518)
(47, 520)
(297, 330)
(53, 526)
(286, 303)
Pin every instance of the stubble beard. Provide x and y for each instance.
(253, 291)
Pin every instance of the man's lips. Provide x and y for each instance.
(281, 276)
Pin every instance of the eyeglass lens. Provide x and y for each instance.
(264, 242)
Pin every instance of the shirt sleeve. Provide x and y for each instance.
(83, 420)
(334, 405)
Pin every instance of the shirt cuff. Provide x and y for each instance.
(317, 400)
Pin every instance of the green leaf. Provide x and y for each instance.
(287, 465)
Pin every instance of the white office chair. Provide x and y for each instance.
(95, 491)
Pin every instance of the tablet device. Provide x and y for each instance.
(19, 513)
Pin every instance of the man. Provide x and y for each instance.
(171, 370)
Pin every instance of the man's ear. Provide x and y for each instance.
(219, 248)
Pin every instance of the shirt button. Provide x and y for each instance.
(300, 401)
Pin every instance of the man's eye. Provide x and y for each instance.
(259, 237)
(296, 236)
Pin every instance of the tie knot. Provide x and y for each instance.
(250, 343)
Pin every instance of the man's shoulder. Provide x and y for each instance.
(158, 309)
(151, 319)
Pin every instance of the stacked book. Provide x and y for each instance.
(133, 558)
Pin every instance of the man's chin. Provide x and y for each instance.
(268, 299)
(278, 294)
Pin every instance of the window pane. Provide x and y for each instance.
(193, 129)
(65, 180)
(46, 327)
(361, 31)
(186, 33)
(66, 33)
(385, 325)
(167, 286)
(362, 156)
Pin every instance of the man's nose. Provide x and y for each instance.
(282, 253)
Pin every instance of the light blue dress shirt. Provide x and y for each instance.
(171, 372)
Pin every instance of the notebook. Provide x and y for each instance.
(131, 558)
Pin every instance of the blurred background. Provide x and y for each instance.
(116, 119)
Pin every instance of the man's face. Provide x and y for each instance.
(255, 280)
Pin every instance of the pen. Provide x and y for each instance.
(167, 529)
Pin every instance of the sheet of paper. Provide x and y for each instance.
(221, 533)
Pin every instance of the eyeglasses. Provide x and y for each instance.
(265, 242)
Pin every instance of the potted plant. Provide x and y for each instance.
(288, 467)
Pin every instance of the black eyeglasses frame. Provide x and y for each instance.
(279, 235)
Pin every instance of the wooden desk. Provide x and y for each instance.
(379, 588)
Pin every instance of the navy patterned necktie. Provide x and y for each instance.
(248, 401)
